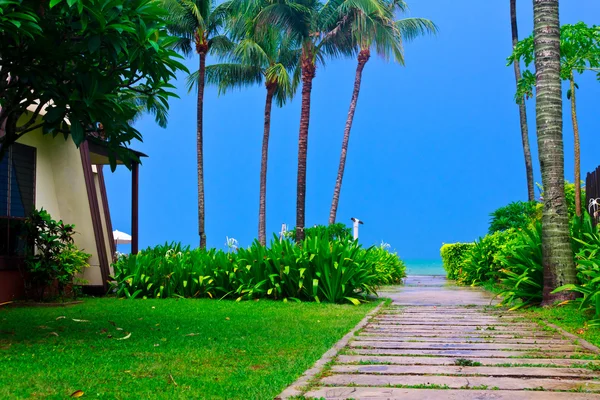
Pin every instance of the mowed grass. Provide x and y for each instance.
(569, 318)
(187, 348)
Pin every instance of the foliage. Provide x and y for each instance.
(483, 261)
(570, 197)
(580, 52)
(84, 68)
(516, 215)
(52, 257)
(586, 245)
(523, 271)
(337, 231)
(216, 349)
(389, 268)
(454, 257)
(318, 270)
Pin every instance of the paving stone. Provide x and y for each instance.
(408, 322)
(460, 346)
(464, 382)
(370, 393)
(400, 360)
(482, 327)
(430, 325)
(418, 333)
(539, 372)
(467, 353)
(459, 339)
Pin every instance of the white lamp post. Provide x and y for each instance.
(356, 222)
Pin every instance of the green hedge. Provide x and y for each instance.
(319, 269)
(454, 257)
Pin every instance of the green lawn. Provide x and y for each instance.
(177, 349)
(568, 317)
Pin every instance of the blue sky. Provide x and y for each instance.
(435, 145)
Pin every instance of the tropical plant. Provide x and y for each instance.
(521, 104)
(337, 231)
(515, 215)
(377, 30)
(52, 257)
(586, 245)
(559, 267)
(198, 26)
(454, 256)
(268, 57)
(580, 52)
(483, 262)
(522, 277)
(84, 68)
(320, 270)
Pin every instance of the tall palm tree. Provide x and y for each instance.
(199, 26)
(380, 31)
(521, 104)
(270, 57)
(318, 28)
(559, 267)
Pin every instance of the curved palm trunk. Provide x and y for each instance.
(199, 148)
(363, 57)
(577, 150)
(308, 74)
(522, 108)
(262, 223)
(559, 266)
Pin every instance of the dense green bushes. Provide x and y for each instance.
(516, 215)
(320, 269)
(454, 257)
(511, 256)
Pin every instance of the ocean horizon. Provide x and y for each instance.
(424, 267)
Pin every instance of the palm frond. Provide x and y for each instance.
(232, 76)
(285, 90)
(220, 46)
(411, 28)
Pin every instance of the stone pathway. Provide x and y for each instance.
(439, 341)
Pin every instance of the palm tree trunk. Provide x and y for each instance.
(363, 57)
(522, 108)
(262, 223)
(308, 74)
(200, 152)
(577, 149)
(559, 266)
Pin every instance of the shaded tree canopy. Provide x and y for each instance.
(82, 68)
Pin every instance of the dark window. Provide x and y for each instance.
(17, 201)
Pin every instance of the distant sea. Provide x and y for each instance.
(424, 267)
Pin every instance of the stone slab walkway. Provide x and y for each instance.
(440, 341)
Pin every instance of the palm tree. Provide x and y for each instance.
(380, 31)
(270, 57)
(198, 25)
(318, 28)
(521, 103)
(559, 267)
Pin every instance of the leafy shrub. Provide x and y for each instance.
(586, 245)
(319, 270)
(516, 215)
(522, 279)
(331, 232)
(52, 257)
(454, 257)
(389, 268)
(483, 261)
